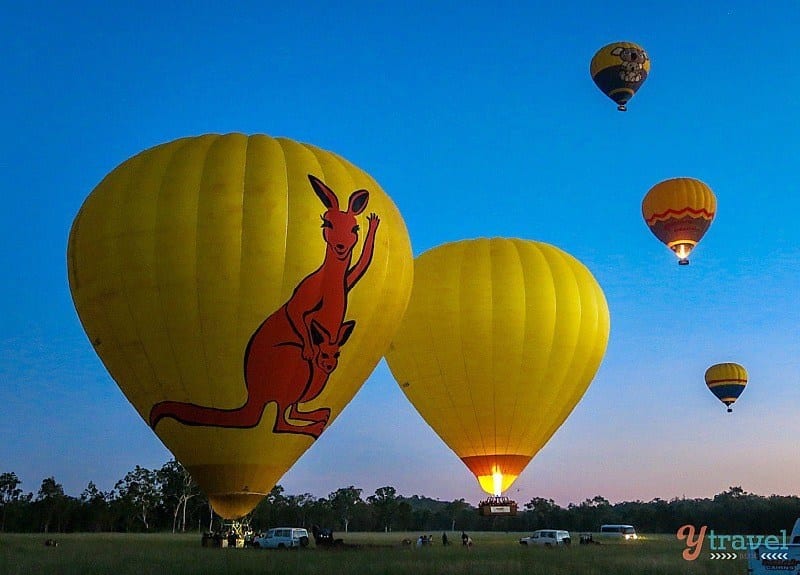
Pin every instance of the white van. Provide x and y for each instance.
(794, 539)
(769, 559)
(282, 538)
(547, 538)
(626, 532)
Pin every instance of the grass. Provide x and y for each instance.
(380, 554)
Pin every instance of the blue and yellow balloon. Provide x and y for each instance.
(726, 381)
(619, 70)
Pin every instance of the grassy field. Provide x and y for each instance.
(379, 554)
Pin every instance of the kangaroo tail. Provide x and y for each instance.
(191, 414)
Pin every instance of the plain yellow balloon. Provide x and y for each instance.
(500, 341)
(239, 289)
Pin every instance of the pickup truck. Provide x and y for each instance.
(771, 560)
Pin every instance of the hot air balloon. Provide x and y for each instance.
(678, 212)
(239, 289)
(727, 382)
(500, 341)
(619, 70)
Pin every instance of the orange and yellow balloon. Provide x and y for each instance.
(679, 211)
(500, 341)
(619, 70)
(237, 326)
(727, 382)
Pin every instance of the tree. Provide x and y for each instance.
(343, 501)
(591, 513)
(177, 488)
(385, 504)
(139, 491)
(299, 506)
(95, 505)
(270, 510)
(10, 494)
(53, 502)
(543, 512)
(454, 509)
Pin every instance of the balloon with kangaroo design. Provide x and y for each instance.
(239, 289)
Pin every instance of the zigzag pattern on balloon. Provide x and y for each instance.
(672, 213)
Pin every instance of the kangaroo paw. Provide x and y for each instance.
(321, 415)
(314, 430)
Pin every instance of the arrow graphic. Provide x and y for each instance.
(773, 556)
(724, 556)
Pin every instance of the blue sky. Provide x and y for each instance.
(479, 119)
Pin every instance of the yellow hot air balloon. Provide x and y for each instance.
(727, 382)
(236, 326)
(500, 341)
(679, 211)
(619, 70)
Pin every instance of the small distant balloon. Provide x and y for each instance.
(619, 70)
(726, 381)
(679, 211)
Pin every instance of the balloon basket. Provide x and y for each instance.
(214, 540)
(234, 534)
(497, 507)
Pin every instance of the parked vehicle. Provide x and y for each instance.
(282, 538)
(626, 532)
(778, 556)
(547, 538)
(795, 537)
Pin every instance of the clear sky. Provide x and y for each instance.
(478, 119)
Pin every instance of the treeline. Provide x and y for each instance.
(167, 499)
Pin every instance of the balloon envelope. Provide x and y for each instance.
(726, 381)
(619, 70)
(189, 265)
(500, 341)
(679, 211)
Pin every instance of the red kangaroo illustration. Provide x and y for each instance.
(293, 352)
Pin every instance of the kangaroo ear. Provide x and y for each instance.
(324, 193)
(318, 333)
(358, 201)
(345, 331)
